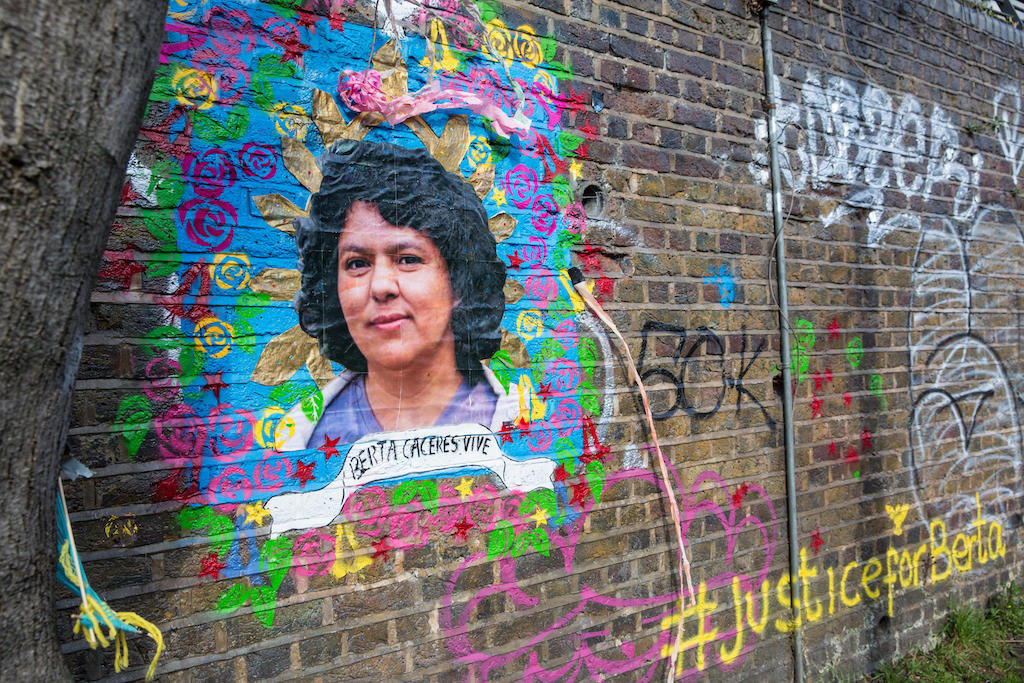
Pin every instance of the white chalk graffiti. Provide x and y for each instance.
(905, 168)
(1006, 123)
(965, 430)
(864, 139)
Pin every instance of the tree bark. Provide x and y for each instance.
(74, 78)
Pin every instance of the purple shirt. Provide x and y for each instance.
(350, 417)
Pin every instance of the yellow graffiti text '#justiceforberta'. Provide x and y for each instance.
(848, 586)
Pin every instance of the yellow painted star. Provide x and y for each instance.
(575, 167)
(539, 516)
(499, 197)
(465, 487)
(256, 513)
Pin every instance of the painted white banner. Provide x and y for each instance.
(407, 455)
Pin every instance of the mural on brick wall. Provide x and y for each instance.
(369, 353)
(368, 342)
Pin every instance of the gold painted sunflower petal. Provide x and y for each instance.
(280, 284)
(278, 211)
(333, 126)
(301, 163)
(502, 226)
(395, 77)
(516, 349)
(482, 179)
(282, 357)
(450, 146)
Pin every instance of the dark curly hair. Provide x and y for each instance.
(410, 189)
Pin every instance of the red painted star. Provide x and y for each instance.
(214, 383)
(506, 432)
(303, 472)
(523, 426)
(828, 375)
(330, 447)
(851, 455)
(865, 440)
(737, 496)
(605, 287)
(816, 541)
(832, 449)
(560, 473)
(589, 130)
(846, 398)
(818, 381)
(544, 391)
(462, 528)
(583, 152)
(211, 566)
(580, 492)
(833, 329)
(514, 261)
(381, 548)
(816, 407)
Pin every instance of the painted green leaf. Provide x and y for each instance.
(855, 352)
(166, 183)
(501, 371)
(163, 262)
(499, 541)
(562, 190)
(568, 239)
(134, 416)
(160, 225)
(251, 304)
(233, 598)
(264, 604)
(208, 128)
(426, 489)
(539, 498)
(569, 142)
(313, 406)
(548, 45)
(216, 525)
(538, 538)
(271, 66)
(262, 92)
(595, 479)
(488, 10)
(291, 392)
(245, 336)
(589, 400)
(588, 356)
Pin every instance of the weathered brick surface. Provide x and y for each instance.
(902, 161)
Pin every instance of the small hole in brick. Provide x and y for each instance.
(592, 199)
(883, 623)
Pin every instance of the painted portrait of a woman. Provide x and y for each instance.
(402, 286)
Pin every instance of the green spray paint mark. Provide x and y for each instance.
(800, 354)
(854, 352)
(134, 416)
(875, 385)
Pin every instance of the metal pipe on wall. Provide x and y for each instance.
(787, 382)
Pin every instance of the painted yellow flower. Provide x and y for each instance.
(194, 88)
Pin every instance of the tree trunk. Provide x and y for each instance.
(74, 78)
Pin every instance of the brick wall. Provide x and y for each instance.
(901, 165)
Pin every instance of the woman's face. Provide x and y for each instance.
(394, 291)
